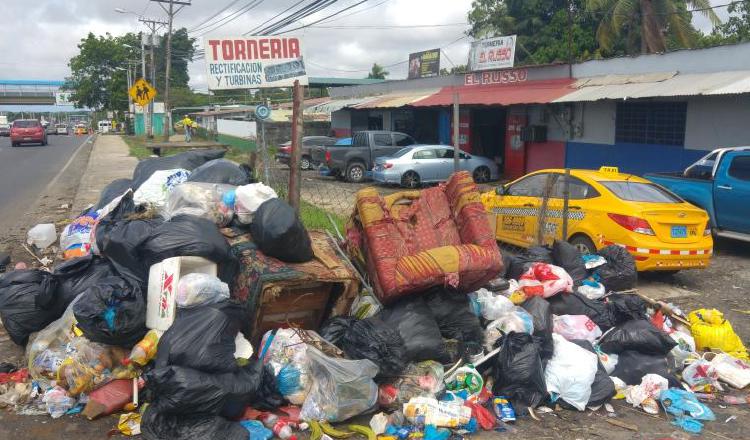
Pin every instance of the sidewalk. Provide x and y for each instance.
(110, 159)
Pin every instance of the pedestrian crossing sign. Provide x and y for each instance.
(142, 92)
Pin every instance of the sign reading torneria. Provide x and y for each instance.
(492, 53)
(254, 62)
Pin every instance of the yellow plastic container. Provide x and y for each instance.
(712, 332)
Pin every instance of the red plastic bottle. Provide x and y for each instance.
(281, 428)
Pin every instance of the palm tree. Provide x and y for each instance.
(648, 23)
(377, 72)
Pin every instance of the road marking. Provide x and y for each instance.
(65, 167)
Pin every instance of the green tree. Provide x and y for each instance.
(99, 76)
(541, 27)
(377, 72)
(461, 68)
(737, 27)
(183, 50)
(652, 26)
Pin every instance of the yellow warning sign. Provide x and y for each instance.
(142, 92)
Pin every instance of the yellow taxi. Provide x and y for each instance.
(605, 207)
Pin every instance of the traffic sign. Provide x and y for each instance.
(262, 112)
(142, 92)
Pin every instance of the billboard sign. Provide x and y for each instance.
(424, 64)
(63, 98)
(254, 62)
(492, 53)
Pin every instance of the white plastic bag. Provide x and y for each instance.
(608, 360)
(211, 201)
(493, 306)
(517, 320)
(155, 189)
(41, 235)
(571, 372)
(58, 402)
(341, 388)
(46, 352)
(243, 347)
(731, 370)
(700, 373)
(592, 292)
(685, 349)
(576, 327)
(249, 197)
(195, 289)
(646, 394)
(545, 280)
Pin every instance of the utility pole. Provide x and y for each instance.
(171, 12)
(456, 135)
(148, 112)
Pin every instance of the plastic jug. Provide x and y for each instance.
(42, 235)
(162, 287)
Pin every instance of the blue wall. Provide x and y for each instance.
(444, 127)
(631, 158)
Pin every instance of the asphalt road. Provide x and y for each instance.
(26, 171)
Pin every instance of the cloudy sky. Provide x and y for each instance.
(40, 36)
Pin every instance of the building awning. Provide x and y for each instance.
(336, 104)
(395, 100)
(527, 92)
(654, 85)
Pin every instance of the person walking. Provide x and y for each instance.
(187, 124)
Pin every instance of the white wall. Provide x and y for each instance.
(241, 129)
(594, 122)
(718, 121)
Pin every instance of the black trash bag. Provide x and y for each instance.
(421, 335)
(626, 307)
(27, 303)
(638, 335)
(115, 189)
(119, 240)
(569, 258)
(619, 272)
(188, 235)
(181, 390)
(279, 233)
(632, 366)
(577, 304)
(222, 171)
(452, 312)
(369, 339)
(203, 338)
(188, 160)
(78, 274)
(112, 312)
(518, 370)
(517, 265)
(158, 426)
(541, 313)
(603, 388)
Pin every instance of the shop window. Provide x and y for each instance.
(659, 123)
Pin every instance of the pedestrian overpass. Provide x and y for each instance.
(29, 91)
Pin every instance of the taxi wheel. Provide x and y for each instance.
(583, 244)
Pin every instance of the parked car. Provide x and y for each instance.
(662, 231)
(27, 131)
(308, 142)
(352, 162)
(415, 165)
(4, 129)
(62, 129)
(719, 183)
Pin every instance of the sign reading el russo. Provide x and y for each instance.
(254, 62)
(492, 53)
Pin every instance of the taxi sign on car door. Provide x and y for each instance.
(142, 92)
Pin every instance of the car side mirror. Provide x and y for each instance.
(500, 190)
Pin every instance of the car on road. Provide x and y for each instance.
(308, 142)
(62, 129)
(353, 162)
(605, 207)
(4, 129)
(50, 129)
(418, 164)
(81, 129)
(27, 131)
(719, 183)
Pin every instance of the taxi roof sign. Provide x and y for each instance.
(609, 170)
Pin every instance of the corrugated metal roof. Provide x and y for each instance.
(529, 92)
(395, 100)
(336, 104)
(658, 85)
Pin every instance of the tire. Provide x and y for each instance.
(305, 163)
(44, 143)
(583, 244)
(482, 174)
(14, 144)
(410, 179)
(355, 172)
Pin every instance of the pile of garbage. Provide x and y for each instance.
(141, 319)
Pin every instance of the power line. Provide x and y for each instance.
(360, 11)
(231, 3)
(273, 18)
(324, 18)
(302, 13)
(392, 26)
(231, 17)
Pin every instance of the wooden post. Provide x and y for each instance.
(456, 141)
(294, 166)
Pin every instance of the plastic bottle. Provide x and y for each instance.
(281, 428)
(736, 400)
(145, 349)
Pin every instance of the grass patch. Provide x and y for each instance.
(317, 218)
(137, 146)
